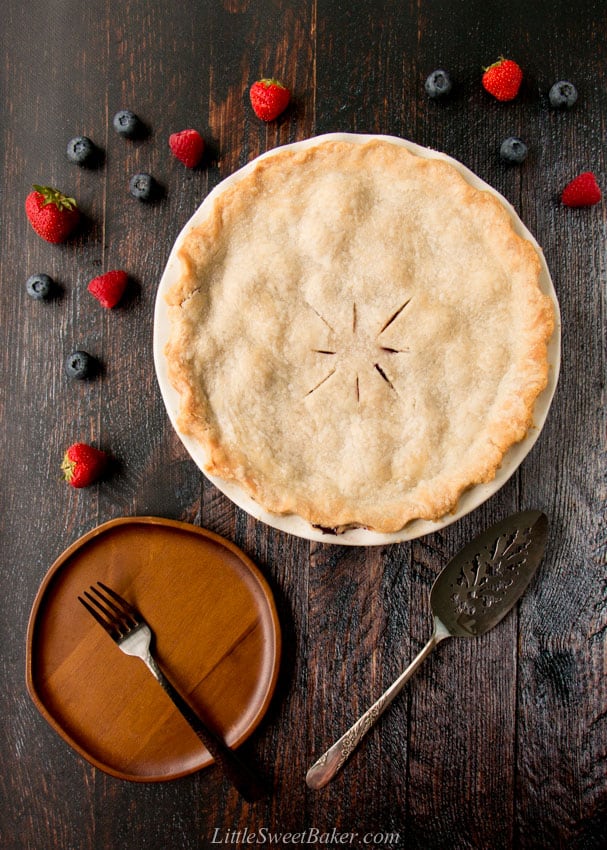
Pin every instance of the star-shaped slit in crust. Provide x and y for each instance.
(350, 344)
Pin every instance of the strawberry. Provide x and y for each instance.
(187, 146)
(269, 98)
(582, 191)
(109, 288)
(52, 214)
(83, 465)
(503, 79)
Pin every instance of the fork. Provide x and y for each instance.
(132, 634)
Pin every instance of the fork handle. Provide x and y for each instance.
(247, 783)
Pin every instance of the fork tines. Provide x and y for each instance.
(110, 610)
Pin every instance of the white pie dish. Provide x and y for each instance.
(294, 524)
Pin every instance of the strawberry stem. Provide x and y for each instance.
(67, 467)
(54, 196)
(495, 64)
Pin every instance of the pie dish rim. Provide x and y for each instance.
(292, 523)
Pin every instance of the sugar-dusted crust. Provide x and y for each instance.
(357, 335)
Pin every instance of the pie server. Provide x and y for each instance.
(472, 594)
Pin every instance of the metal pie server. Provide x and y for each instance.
(472, 594)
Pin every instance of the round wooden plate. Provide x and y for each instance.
(216, 635)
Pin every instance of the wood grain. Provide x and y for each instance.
(499, 742)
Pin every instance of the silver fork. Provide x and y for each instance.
(131, 633)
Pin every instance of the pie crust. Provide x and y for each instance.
(357, 335)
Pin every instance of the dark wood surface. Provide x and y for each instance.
(498, 742)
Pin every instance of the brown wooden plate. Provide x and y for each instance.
(216, 634)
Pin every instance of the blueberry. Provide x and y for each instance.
(126, 123)
(81, 151)
(80, 365)
(562, 94)
(142, 186)
(513, 150)
(438, 84)
(40, 286)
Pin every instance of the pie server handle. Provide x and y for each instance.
(323, 770)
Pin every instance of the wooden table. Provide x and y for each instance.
(499, 742)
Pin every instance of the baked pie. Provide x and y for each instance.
(358, 335)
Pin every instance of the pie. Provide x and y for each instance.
(358, 335)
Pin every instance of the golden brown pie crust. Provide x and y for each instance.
(357, 335)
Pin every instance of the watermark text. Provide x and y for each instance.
(310, 836)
